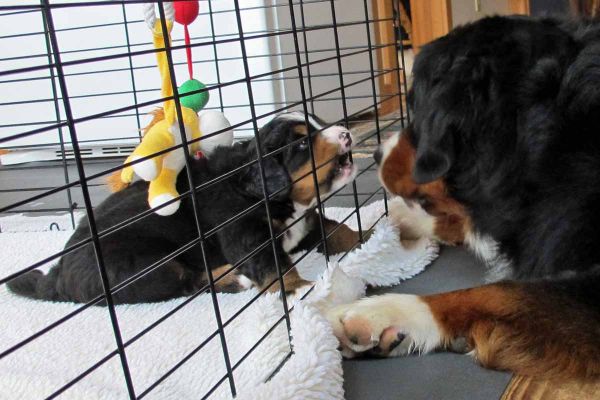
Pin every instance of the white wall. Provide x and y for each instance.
(321, 44)
(110, 82)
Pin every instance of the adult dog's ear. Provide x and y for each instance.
(444, 102)
(277, 180)
(435, 151)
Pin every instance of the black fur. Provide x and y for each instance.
(134, 247)
(507, 111)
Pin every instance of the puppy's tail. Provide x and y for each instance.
(35, 285)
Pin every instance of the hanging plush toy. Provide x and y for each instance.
(161, 171)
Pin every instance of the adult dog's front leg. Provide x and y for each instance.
(521, 327)
(398, 324)
(387, 325)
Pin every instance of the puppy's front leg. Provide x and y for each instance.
(247, 242)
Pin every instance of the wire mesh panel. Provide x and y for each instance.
(78, 81)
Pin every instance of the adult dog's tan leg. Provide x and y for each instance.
(519, 327)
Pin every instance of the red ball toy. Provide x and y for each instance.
(186, 11)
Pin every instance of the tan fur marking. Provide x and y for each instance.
(452, 221)
(343, 239)
(511, 326)
(303, 191)
(301, 129)
(291, 280)
(228, 283)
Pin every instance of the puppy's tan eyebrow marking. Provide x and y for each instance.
(301, 130)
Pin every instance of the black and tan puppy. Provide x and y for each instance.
(504, 153)
(129, 250)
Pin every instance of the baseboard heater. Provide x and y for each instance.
(20, 156)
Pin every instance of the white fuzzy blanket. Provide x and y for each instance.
(313, 371)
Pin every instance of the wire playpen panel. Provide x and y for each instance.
(78, 80)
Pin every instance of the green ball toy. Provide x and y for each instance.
(195, 101)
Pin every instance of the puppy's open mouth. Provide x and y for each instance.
(343, 167)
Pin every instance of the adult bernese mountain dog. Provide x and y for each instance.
(503, 152)
(238, 252)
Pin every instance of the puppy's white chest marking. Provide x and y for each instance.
(296, 233)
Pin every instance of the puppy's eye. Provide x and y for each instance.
(303, 145)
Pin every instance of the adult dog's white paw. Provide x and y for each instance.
(388, 325)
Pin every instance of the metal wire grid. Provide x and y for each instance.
(301, 52)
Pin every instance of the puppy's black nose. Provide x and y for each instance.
(377, 155)
(348, 138)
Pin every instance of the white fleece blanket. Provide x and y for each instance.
(313, 371)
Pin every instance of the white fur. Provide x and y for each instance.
(408, 313)
(342, 181)
(499, 266)
(298, 231)
(413, 221)
(331, 134)
(244, 281)
(334, 134)
(300, 117)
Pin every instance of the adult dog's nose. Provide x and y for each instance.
(377, 155)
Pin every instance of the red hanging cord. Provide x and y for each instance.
(188, 52)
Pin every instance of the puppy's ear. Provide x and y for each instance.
(435, 152)
(277, 180)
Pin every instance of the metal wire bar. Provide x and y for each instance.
(57, 114)
(149, 67)
(374, 90)
(400, 48)
(179, 47)
(263, 179)
(215, 56)
(204, 185)
(133, 49)
(344, 106)
(33, 8)
(156, 101)
(148, 212)
(134, 89)
(51, 326)
(196, 207)
(305, 40)
(309, 136)
(194, 38)
(85, 373)
(86, 196)
(254, 346)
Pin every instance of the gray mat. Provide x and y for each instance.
(439, 376)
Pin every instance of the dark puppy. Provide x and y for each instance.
(131, 249)
(504, 153)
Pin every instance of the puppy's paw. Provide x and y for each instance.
(388, 325)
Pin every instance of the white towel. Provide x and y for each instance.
(313, 370)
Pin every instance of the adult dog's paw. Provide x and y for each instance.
(388, 325)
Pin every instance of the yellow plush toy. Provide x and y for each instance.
(161, 171)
